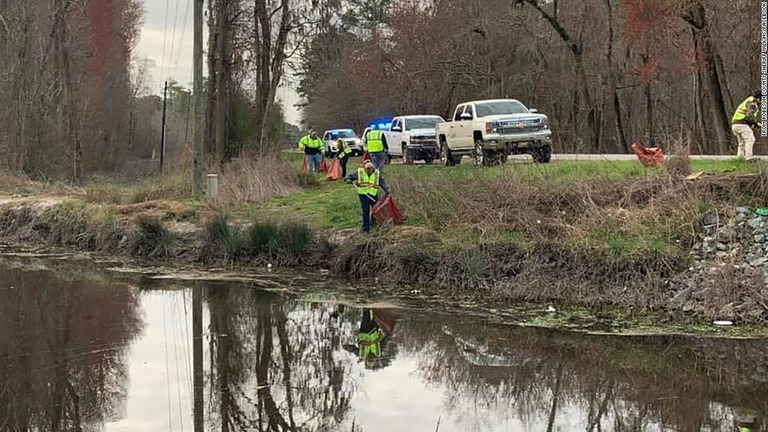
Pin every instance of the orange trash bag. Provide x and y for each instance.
(385, 319)
(386, 211)
(305, 169)
(334, 172)
(649, 156)
(324, 165)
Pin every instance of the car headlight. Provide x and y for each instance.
(545, 123)
(492, 127)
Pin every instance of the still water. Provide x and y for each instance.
(86, 351)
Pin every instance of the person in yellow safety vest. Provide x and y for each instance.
(369, 340)
(746, 421)
(313, 149)
(377, 147)
(745, 118)
(369, 182)
(343, 152)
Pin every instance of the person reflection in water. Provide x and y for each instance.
(747, 421)
(373, 338)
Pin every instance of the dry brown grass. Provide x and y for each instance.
(647, 209)
(248, 180)
(242, 182)
(19, 184)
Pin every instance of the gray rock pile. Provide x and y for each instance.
(729, 279)
(742, 240)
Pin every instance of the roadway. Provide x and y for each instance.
(600, 157)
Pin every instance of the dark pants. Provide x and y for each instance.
(367, 202)
(343, 161)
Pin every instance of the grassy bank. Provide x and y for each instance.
(577, 234)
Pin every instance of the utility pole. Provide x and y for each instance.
(162, 138)
(197, 355)
(198, 94)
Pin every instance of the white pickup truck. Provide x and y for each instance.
(413, 138)
(491, 130)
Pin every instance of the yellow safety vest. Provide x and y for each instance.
(741, 111)
(368, 182)
(307, 141)
(369, 344)
(344, 150)
(375, 141)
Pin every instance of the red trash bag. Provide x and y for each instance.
(334, 172)
(385, 319)
(387, 211)
(324, 165)
(366, 157)
(649, 156)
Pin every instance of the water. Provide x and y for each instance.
(84, 350)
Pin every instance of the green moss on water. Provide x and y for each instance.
(620, 322)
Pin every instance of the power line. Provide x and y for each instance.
(183, 32)
(173, 36)
(165, 38)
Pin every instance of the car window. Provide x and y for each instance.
(326, 137)
(395, 124)
(346, 134)
(422, 123)
(500, 108)
(459, 111)
(468, 110)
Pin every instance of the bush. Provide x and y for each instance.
(223, 241)
(152, 239)
(287, 242)
(264, 238)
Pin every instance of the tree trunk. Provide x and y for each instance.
(648, 95)
(706, 61)
(699, 127)
(64, 69)
(618, 122)
(583, 86)
(272, 60)
(210, 110)
(222, 78)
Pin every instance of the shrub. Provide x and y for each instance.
(152, 239)
(223, 240)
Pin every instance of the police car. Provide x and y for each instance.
(348, 136)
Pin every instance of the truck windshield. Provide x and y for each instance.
(500, 108)
(422, 123)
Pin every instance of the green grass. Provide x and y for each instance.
(335, 204)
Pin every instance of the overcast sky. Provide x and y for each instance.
(177, 61)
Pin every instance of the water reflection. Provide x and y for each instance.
(79, 353)
(374, 339)
(63, 344)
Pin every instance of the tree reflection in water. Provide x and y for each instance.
(638, 383)
(62, 350)
(281, 364)
(277, 364)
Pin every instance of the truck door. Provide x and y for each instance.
(393, 137)
(464, 135)
(453, 135)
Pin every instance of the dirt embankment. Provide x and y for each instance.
(560, 269)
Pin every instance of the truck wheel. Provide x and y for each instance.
(501, 158)
(445, 156)
(407, 158)
(428, 160)
(542, 155)
(482, 157)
